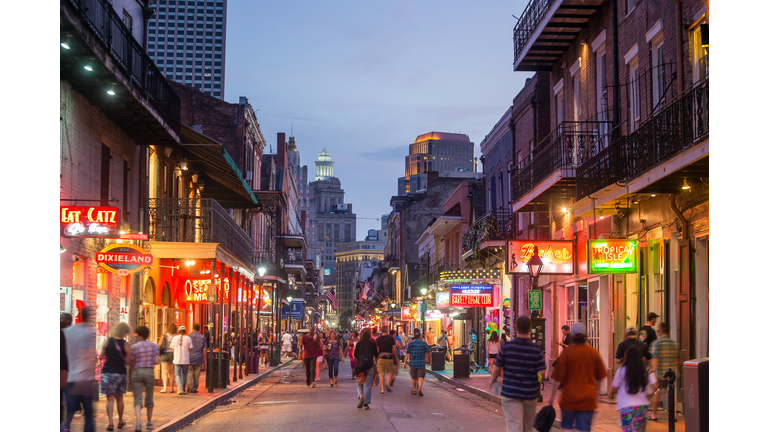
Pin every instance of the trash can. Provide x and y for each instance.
(256, 352)
(696, 394)
(212, 371)
(275, 360)
(461, 363)
(438, 358)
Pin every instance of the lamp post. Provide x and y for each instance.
(423, 312)
(534, 269)
(289, 298)
(262, 270)
(392, 309)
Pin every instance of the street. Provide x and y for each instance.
(283, 403)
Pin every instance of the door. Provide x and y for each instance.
(684, 301)
(593, 313)
(65, 300)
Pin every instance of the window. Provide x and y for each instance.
(655, 37)
(560, 108)
(106, 158)
(700, 53)
(634, 88)
(576, 81)
(601, 91)
(128, 20)
(630, 6)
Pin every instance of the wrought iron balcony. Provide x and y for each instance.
(529, 20)
(295, 256)
(110, 31)
(197, 221)
(494, 225)
(569, 145)
(680, 124)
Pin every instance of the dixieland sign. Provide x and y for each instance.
(123, 259)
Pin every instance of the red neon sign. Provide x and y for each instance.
(406, 314)
(196, 290)
(557, 256)
(91, 221)
(134, 236)
(472, 295)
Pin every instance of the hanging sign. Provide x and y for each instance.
(123, 259)
(612, 256)
(89, 221)
(266, 298)
(472, 295)
(198, 290)
(406, 314)
(433, 315)
(134, 236)
(534, 300)
(442, 299)
(557, 256)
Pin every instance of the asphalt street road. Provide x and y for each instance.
(284, 403)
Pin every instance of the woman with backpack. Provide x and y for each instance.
(630, 383)
(166, 358)
(365, 368)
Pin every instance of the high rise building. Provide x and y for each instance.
(450, 154)
(187, 41)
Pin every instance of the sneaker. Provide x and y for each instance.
(150, 426)
(313, 385)
(366, 407)
(360, 402)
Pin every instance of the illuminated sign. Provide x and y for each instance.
(442, 299)
(266, 298)
(433, 315)
(123, 259)
(557, 256)
(196, 290)
(406, 313)
(91, 221)
(134, 236)
(472, 295)
(327, 271)
(612, 256)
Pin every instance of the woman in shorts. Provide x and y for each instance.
(114, 376)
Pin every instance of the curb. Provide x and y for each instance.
(483, 394)
(206, 407)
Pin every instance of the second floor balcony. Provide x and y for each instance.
(495, 225)
(201, 220)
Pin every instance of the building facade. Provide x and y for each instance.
(187, 40)
(442, 152)
(351, 258)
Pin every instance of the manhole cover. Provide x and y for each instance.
(398, 415)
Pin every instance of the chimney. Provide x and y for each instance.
(282, 155)
(243, 100)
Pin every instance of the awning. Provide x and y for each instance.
(223, 180)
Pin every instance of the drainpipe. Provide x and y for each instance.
(616, 105)
(679, 214)
(679, 29)
(146, 13)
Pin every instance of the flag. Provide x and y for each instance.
(331, 295)
(377, 295)
(368, 289)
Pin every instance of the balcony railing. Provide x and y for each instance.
(530, 18)
(197, 221)
(681, 123)
(110, 30)
(295, 256)
(494, 225)
(570, 144)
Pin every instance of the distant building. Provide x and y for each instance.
(354, 263)
(450, 154)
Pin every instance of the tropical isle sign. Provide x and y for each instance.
(612, 256)
(123, 259)
(557, 256)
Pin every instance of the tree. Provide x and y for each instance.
(345, 318)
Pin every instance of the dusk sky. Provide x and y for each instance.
(364, 78)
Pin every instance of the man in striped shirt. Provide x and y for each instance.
(521, 360)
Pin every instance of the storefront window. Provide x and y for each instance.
(594, 299)
(571, 304)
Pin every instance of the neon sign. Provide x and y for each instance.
(612, 256)
(91, 221)
(472, 295)
(406, 314)
(123, 259)
(196, 290)
(557, 256)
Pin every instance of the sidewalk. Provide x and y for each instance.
(172, 412)
(606, 417)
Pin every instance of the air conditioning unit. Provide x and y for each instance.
(249, 175)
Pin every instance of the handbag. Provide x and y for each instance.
(545, 419)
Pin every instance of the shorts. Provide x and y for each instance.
(386, 366)
(113, 383)
(418, 373)
(578, 420)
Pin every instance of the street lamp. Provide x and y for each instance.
(535, 264)
(289, 298)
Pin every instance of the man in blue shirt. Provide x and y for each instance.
(196, 358)
(521, 360)
(415, 355)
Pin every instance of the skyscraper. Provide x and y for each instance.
(450, 154)
(187, 40)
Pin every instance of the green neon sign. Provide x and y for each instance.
(612, 256)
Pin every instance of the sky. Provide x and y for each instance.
(364, 78)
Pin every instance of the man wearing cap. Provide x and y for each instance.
(181, 345)
(630, 338)
(580, 369)
(647, 334)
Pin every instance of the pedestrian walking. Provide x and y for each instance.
(416, 356)
(308, 349)
(320, 340)
(82, 371)
(116, 353)
(451, 344)
(166, 358)
(519, 362)
(630, 335)
(287, 344)
(65, 320)
(142, 378)
(182, 347)
(387, 348)
(430, 337)
(664, 351)
(629, 384)
(365, 354)
(334, 355)
(579, 369)
(264, 348)
(647, 334)
(473, 349)
(400, 346)
(196, 358)
(351, 351)
(493, 349)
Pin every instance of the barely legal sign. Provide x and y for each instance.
(123, 259)
(612, 256)
(472, 295)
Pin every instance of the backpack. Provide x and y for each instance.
(364, 357)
